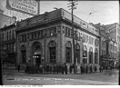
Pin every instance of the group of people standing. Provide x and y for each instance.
(83, 68)
(47, 69)
(64, 69)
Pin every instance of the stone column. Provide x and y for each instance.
(59, 44)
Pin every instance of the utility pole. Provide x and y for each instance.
(38, 1)
(72, 5)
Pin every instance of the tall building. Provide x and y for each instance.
(114, 32)
(6, 20)
(110, 41)
(48, 39)
(8, 43)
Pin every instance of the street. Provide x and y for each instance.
(60, 79)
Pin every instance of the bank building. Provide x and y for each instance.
(48, 39)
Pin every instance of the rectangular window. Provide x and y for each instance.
(30, 36)
(7, 35)
(42, 35)
(39, 34)
(66, 31)
(48, 32)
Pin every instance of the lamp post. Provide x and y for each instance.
(72, 5)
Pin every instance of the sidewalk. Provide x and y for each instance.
(103, 77)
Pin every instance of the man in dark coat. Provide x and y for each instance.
(81, 69)
(90, 68)
(18, 67)
(86, 68)
(65, 68)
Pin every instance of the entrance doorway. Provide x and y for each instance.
(37, 59)
(36, 52)
(23, 54)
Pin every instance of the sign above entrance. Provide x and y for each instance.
(24, 6)
(37, 52)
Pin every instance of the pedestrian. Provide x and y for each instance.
(91, 69)
(95, 68)
(86, 69)
(65, 67)
(81, 69)
(18, 67)
(70, 68)
(101, 68)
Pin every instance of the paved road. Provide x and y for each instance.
(52, 81)
(59, 79)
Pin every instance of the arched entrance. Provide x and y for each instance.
(68, 55)
(23, 54)
(91, 55)
(52, 52)
(77, 52)
(36, 53)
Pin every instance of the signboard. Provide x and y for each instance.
(24, 6)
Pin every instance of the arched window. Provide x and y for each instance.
(96, 56)
(84, 51)
(36, 47)
(84, 54)
(91, 55)
(68, 52)
(52, 50)
(77, 53)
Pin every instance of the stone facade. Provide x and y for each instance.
(8, 43)
(49, 37)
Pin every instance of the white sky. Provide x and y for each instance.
(105, 12)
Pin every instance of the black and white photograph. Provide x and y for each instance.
(70, 42)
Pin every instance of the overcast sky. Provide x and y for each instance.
(105, 12)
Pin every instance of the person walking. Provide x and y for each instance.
(86, 69)
(65, 67)
(18, 67)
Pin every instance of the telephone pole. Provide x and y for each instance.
(72, 6)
